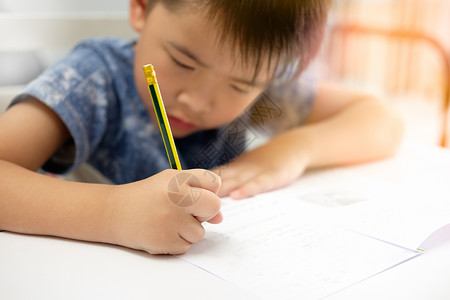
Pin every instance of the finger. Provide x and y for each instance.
(257, 185)
(216, 219)
(225, 171)
(232, 174)
(206, 206)
(181, 246)
(193, 232)
(204, 179)
(231, 184)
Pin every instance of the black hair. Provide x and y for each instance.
(286, 32)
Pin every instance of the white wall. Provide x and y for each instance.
(12, 64)
(63, 5)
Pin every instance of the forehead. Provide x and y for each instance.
(192, 33)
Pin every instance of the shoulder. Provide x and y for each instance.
(107, 46)
(113, 53)
(92, 64)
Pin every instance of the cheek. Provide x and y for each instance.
(230, 107)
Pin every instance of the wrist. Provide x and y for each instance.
(99, 210)
(112, 224)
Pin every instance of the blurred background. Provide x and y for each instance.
(39, 57)
(397, 49)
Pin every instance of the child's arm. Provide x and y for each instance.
(344, 127)
(138, 215)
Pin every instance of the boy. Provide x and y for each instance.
(213, 59)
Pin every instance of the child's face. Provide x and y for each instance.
(202, 85)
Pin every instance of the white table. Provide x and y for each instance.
(33, 267)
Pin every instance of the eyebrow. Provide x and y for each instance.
(192, 56)
(189, 54)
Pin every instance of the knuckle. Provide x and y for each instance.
(211, 177)
(168, 172)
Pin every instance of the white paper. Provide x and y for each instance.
(393, 213)
(279, 246)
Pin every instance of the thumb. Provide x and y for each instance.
(216, 219)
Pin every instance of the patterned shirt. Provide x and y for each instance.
(93, 91)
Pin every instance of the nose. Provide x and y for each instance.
(197, 98)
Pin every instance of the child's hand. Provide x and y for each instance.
(271, 166)
(163, 214)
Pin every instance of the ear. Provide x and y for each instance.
(137, 14)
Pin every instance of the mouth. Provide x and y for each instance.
(179, 124)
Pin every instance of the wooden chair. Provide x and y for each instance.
(339, 54)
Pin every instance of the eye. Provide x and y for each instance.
(241, 90)
(181, 65)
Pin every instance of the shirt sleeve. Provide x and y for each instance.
(77, 90)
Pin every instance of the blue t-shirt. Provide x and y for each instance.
(93, 91)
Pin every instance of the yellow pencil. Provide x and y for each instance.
(161, 115)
